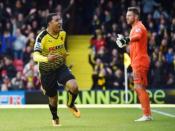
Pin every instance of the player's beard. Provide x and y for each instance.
(131, 22)
(56, 29)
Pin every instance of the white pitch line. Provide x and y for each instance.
(163, 113)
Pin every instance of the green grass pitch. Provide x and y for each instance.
(93, 119)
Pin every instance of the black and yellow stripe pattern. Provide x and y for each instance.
(47, 44)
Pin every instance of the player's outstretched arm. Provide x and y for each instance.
(39, 58)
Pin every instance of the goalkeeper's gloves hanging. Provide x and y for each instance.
(122, 41)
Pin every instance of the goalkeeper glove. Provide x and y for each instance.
(122, 41)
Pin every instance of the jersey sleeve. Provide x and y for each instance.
(39, 58)
(137, 34)
(38, 43)
(38, 47)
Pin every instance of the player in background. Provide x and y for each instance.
(50, 53)
(140, 61)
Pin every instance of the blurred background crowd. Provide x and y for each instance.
(21, 20)
(107, 60)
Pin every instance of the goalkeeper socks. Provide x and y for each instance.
(144, 100)
(53, 111)
(71, 98)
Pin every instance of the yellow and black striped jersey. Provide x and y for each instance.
(47, 44)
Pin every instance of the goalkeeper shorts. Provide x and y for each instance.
(140, 76)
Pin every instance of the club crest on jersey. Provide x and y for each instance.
(138, 30)
(56, 47)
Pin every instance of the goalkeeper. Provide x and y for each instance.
(50, 53)
(140, 61)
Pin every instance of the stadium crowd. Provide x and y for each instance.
(21, 20)
(107, 59)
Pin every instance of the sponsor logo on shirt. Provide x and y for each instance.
(56, 47)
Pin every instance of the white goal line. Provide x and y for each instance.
(38, 106)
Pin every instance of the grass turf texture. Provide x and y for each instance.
(100, 119)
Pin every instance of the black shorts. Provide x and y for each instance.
(50, 80)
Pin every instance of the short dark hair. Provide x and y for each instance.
(135, 10)
(49, 17)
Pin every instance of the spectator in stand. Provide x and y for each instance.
(169, 56)
(6, 83)
(148, 6)
(98, 41)
(9, 67)
(118, 80)
(6, 43)
(29, 74)
(103, 55)
(97, 68)
(116, 61)
(159, 75)
(19, 45)
(95, 22)
(27, 54)
(170, 81)
(18, 81)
